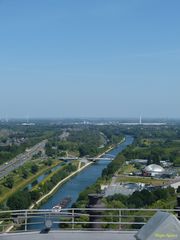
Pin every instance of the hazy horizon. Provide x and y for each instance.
(89, 59)
(121, 119)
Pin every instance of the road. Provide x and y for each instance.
(19, 160)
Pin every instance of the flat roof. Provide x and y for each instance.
(71, 235)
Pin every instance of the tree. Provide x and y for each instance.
(161, 194)
(34, 168)
(19, 200)
(147, 197)
(35, 195)
(48, 162)
(9, 181)
(178, 189)
(25, 173)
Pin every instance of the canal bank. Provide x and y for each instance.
(59, 184)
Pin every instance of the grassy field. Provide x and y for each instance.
(126, 169)
(146, 180)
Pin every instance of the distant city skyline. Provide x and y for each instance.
(86, 59)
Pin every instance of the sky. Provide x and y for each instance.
(89, 58)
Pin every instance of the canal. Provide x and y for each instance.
(87, 177)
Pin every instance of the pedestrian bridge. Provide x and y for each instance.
(87, 159)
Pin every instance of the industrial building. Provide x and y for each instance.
(153, 170)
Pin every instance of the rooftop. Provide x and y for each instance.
(125, 188)
(154, 168)
(70, 235)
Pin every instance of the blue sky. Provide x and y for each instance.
(89, 58)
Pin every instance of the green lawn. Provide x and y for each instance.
(145, 180)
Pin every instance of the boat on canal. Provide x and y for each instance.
(62, 204)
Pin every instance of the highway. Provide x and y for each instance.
(19, 160)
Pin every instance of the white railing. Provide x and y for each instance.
(77, 219)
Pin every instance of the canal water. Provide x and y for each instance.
(87, 177)
(78, 183)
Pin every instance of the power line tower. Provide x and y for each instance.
(140, 120)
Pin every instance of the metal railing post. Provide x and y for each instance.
(26, 221)
(120, 219)
(73, 218)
